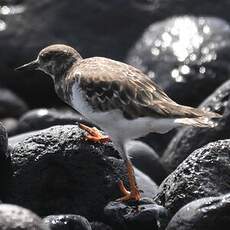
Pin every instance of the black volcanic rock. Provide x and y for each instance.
(3, 141)
(206, 172)
(10, 104)
(4, 161)
(55, 171)
(194, 7)
(145, 158)
(209, 213)
(100, 226)
(13, 217)
(158, 141)
(184, 55)
(147, 186)
(145, 215)
(95, 28)
(10, 124)
(189, 139)
(67, 222)
(38, 119)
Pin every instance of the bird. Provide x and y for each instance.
(118, 98)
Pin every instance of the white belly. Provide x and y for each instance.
(113, 122)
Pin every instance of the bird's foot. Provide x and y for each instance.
(133, 195)
(94, 134)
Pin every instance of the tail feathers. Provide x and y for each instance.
(197, 112)
(201, 122)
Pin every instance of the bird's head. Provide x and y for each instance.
(54, 60)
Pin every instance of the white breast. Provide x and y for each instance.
(78, 102)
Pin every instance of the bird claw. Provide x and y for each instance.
(94, 134)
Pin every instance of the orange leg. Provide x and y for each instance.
(134, 194)
(94, 134)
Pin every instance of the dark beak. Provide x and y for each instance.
(29, 66)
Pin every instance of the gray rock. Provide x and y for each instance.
(184, 55)
(10, 124)
(206, 172)
(10, 104)
(55, 171)
(189, 139)
(4, 161)
(14, 140)
(209, 213)
(158, 141)
(100, 226)
(13, 217)
(67, 222)
(145, 159)
(194, 7)
(38, 119)
(3, 141)
(144, 215)
(147, 186)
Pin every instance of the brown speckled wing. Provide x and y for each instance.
(110, 85)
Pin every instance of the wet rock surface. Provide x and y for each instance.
(53, 168)
(158, 141)
(194, 7)
(10, 124)
(207, 213)
(184, 55)
(146, 159)
(10, 104)
(147, 187)
(3, 141)
(4, 161)
(43, 118)
(67, 222)
(144, 215)
(204, 173)
(100, 226)
(189, 139)
(13, 217)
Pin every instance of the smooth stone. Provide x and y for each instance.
(67, 222)
(146, 185)
(186, 7)
(10, 124)
(11, 105)
(100, 226)
(56, 171)
(184, 55)
(157, 141)
(13, 217)
(209, 213)
(38, 119)
(205, 172)
(3, 141)
(146, 159)
(145, 215)
(4, 161)
(189, 139)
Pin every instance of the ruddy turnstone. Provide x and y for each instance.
(117, 97)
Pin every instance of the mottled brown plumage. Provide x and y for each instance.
(108, 85)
